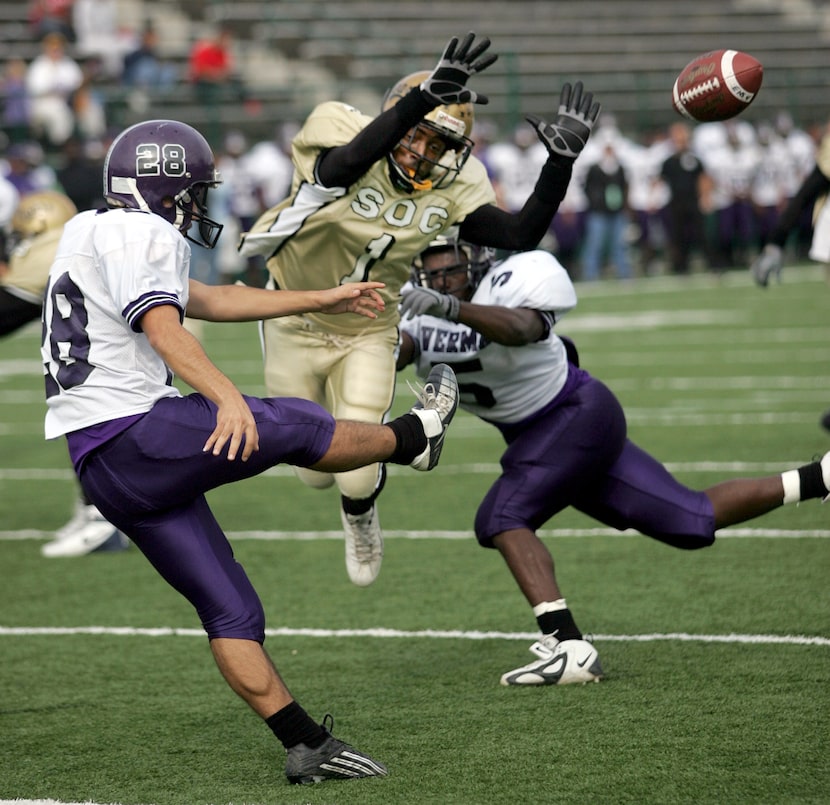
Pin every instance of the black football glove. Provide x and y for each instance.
(567, 135)
(447, 82)
(418, 301)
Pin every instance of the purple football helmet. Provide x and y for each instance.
(164, 167)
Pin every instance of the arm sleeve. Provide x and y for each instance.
(813, 186)
(344, 165)
(522, 230)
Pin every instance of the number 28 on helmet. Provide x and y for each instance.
(164, 167)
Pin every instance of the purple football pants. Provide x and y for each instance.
(576, 453)
(150, 481)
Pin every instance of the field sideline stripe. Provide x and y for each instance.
(311, 536)
(435, 634)
(474, 468)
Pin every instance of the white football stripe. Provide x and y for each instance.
(727, 69)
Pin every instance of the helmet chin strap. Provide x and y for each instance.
(425, 184)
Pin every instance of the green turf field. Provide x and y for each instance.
(717, 661)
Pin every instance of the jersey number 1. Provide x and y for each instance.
(375, 250)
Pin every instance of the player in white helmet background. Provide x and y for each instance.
(368, 195)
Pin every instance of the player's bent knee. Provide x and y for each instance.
(245, 622)
(360, 483)
(313, 478)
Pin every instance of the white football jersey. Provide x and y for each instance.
(496, 382)
(110, 268)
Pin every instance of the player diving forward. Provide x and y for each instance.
(565, 433)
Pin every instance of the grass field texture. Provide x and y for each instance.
(717, 661)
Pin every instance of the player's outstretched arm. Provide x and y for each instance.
(446, 84)
(243, 303)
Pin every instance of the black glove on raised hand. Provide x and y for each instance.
(418, 301)
(567, 135)
(447, 82)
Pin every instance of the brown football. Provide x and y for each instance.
(717, 85)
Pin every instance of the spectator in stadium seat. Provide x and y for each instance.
(147, 454)
(16, 107)
(145, 69)
(100, 35)
(51, 16)
(212, 68)
(51, 79)
(213, 75)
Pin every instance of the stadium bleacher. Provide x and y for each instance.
(294, 53)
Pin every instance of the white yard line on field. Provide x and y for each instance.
(312, 536)
(403, 634)
(473, 468)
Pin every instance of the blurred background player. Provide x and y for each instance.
(813, 191)
(36, 228)
(368, 195)
(565, 433)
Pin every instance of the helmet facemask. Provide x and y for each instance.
(191, 207)
(453, 123)
(431, 173)
(470, 260)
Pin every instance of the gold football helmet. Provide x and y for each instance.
(41, 212)
(453, 123)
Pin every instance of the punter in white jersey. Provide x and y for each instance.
(565, 432)
(146, 454)
(368, 195)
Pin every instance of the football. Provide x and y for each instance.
(717, 85)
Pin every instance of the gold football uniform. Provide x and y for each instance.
(29, 265)
(321, 237)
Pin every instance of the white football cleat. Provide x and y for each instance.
(88, 531)
(825, 474)
(560, 663)
(364, 545)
